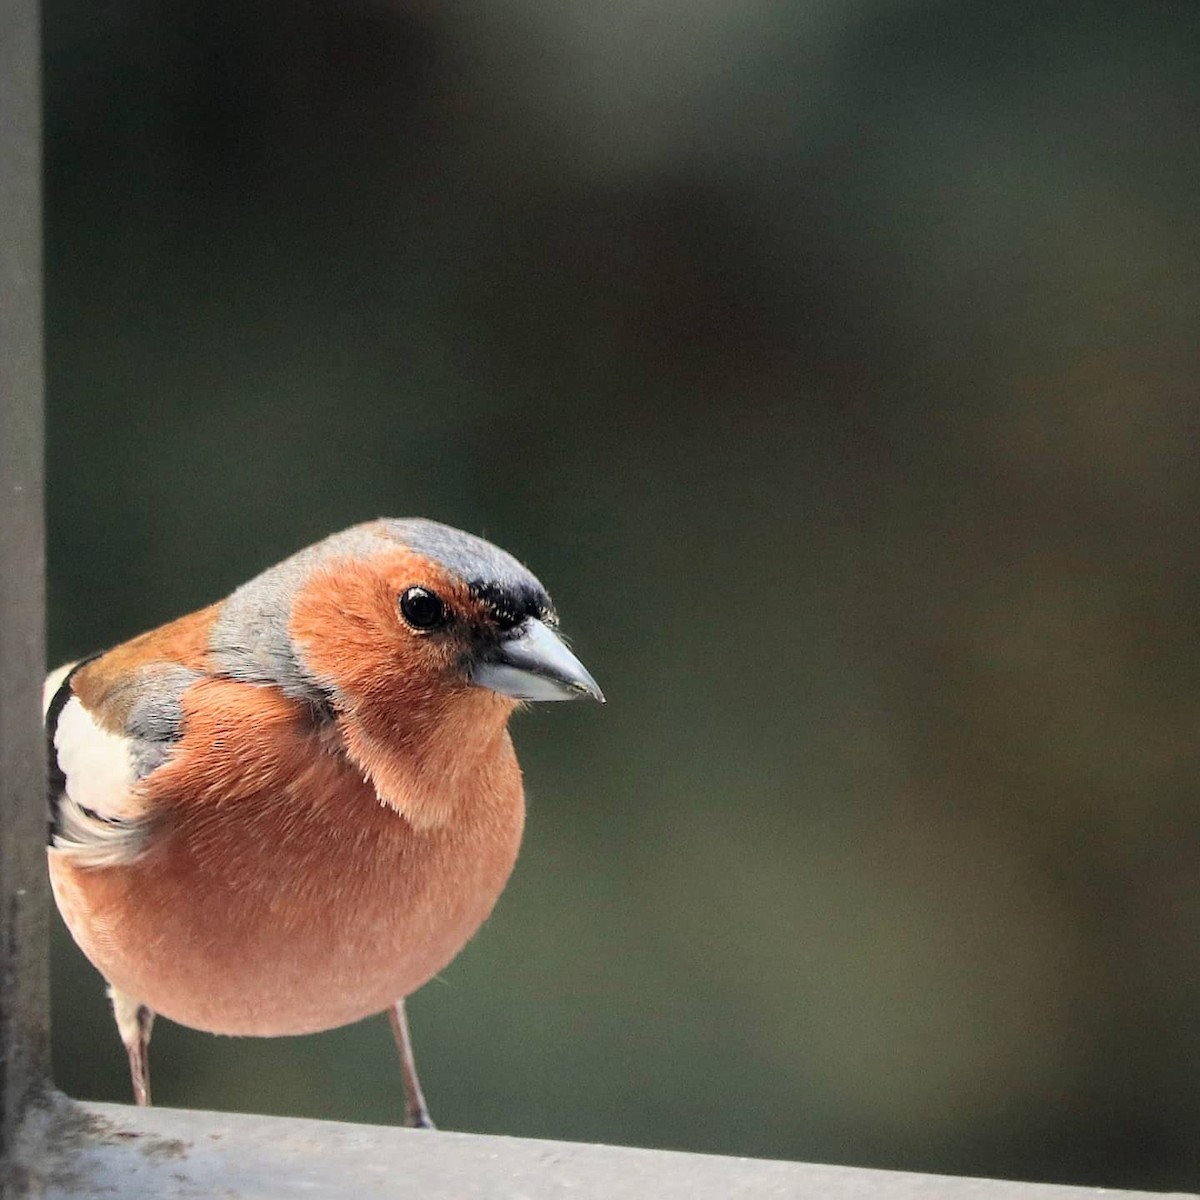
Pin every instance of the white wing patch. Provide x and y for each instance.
(97, 816)
(98, 764)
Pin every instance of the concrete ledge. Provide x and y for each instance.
(108, 1150)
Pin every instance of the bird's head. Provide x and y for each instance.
(403, 620)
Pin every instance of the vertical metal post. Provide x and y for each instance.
(24, 992)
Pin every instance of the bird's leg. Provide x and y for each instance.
(134, 1020)
(416, 1114)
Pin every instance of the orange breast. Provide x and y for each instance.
(277, 894)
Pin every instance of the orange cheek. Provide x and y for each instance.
(343, 625)
(410, 720)
(347, 625)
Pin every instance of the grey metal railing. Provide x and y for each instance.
(24, 988)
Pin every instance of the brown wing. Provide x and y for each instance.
(111, 721)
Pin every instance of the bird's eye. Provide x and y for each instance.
(422, 609)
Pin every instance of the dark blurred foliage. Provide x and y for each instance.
(835, 365)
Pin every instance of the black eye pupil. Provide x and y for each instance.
(422, 609)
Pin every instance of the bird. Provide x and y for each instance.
(287, 811)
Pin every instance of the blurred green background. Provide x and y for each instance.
(835, 365)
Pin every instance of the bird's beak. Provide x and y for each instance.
(533, 663)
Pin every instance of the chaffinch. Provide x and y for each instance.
(287, 811)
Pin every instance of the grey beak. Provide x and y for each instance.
(533, 663)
